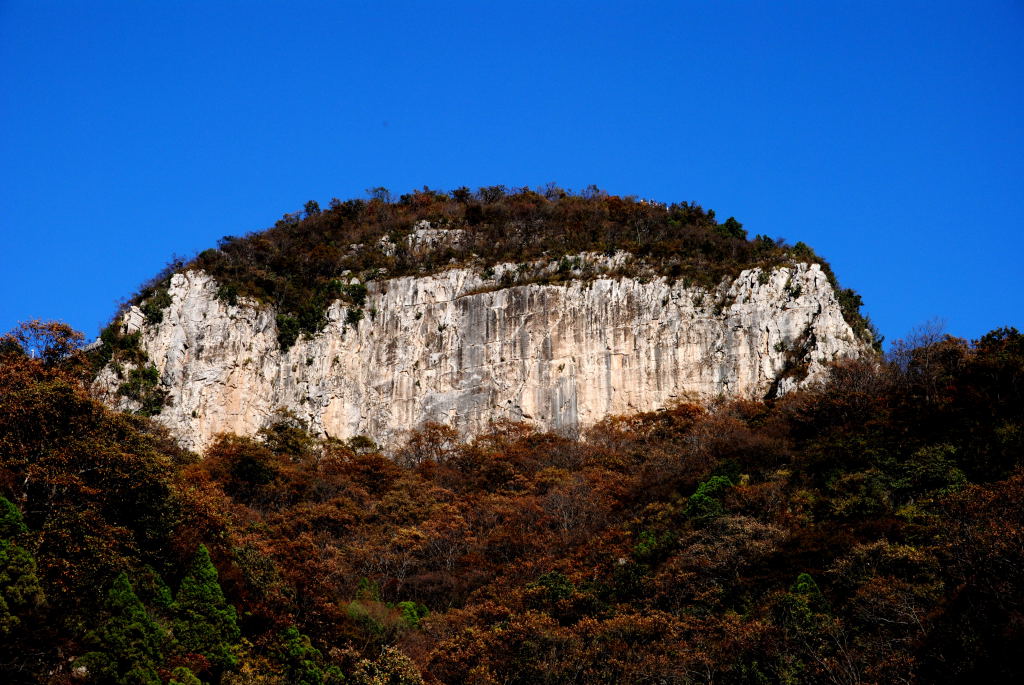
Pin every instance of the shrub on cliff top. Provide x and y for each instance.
(297, 265)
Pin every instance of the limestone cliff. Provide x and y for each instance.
(456, 347)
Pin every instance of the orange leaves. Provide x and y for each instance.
(49, 342)
(852, 545)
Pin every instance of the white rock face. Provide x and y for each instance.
(446, 348)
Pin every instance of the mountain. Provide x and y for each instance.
(422, 315)
(796, 507)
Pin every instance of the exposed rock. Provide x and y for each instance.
(425, 237)
(455, 348)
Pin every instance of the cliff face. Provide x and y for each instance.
(453, 348)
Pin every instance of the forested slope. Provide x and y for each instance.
(870, 530)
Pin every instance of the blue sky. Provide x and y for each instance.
(889, 136)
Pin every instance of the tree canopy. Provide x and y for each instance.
(309, 258)
(870, 529)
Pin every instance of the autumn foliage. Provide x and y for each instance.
(309, 259)
(870, 530)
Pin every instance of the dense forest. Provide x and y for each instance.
(868, 530)
(311, 258)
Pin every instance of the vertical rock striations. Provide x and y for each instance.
(455, 348)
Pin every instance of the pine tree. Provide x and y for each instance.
(206, 624)
(20, 590)
(304, 663)
(11, 523)
(129, 644)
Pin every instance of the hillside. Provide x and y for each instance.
(868, 530)
(374, 317)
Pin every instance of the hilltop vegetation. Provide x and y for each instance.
(869, 530)
(308, 258)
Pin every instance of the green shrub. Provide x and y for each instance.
(287, 331)
(704, 503)
(143, 386)
(154, 306)
(555, 586)
(355, 293)
(412, 613)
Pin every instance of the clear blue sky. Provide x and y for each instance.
(888, 135)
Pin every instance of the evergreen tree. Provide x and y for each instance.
(303, 663)
(206, 624)
(20, 591)
(704, 503)
(129, 644)
(154, 592)
(11, 523)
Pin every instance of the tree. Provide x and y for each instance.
(432, 441)
(303, 662)
(462, 194)
(704, 503)
(732, 229)
(379, 193)
(390, 668)
(11, 523)
(129, 643)
(491, 194)
(50, 341)
(206, 623)
(20, 590)
(183, 675)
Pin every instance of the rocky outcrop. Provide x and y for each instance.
(455, 347)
